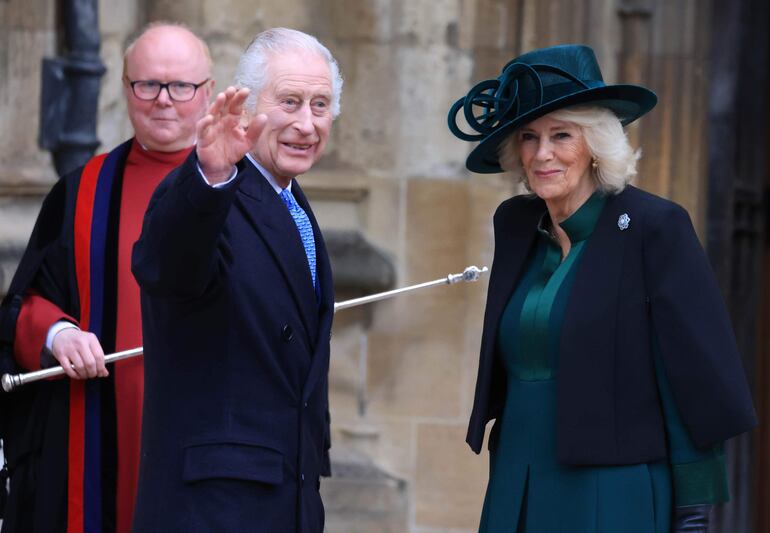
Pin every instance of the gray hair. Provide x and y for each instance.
(252, 67)
(605, 139)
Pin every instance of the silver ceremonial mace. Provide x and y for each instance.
(472, 273)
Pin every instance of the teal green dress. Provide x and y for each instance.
(528, 491)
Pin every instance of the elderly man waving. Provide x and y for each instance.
(237, 305)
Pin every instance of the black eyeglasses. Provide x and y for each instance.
(178, 91)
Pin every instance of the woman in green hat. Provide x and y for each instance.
(608, 361)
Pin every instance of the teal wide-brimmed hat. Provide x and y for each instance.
(535, 84)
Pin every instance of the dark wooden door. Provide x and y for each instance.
(762, 438)
(736, 229)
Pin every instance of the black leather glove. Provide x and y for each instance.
(691, 519)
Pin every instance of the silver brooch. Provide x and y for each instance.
(623, 221)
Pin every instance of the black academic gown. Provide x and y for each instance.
(36, 417)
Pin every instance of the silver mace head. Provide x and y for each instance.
(472, 273)
(8, 383)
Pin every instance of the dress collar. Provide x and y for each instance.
(580, 224)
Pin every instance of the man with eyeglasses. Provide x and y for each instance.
(81, 470)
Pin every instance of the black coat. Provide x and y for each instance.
(652, 276)
(235, 431)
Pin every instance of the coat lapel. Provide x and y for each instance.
(592, 307)
(515, 230)
(265, 210)
(515, 225)
(325, 308)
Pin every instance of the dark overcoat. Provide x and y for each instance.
(652, 275)
(235, 431)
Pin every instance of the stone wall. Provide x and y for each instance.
(26, 35)
(403, 370)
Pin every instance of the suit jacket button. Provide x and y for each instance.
(287, 333)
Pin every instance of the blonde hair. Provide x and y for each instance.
(605, 139)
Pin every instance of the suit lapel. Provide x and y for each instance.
(325, 308)
(267, 213)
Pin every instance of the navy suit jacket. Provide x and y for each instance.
(235, 431)
(652, 276)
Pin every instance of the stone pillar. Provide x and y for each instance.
(27, 34)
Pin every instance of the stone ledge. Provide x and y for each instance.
(25, 189)
(360, 497)
(325, 185)
(358, 266)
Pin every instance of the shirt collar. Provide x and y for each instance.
(269, 177)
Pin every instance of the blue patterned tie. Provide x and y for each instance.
(305, 228)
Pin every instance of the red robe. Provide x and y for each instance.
(144, 169)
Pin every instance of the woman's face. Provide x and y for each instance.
(556, 161)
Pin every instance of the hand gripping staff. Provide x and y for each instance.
(471, 273)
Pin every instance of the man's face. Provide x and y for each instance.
(297, 101)
(167, 54)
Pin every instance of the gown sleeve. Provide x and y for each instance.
(43, 281)
(699, 476)
(36, 317)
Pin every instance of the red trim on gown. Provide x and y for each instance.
(144, 170)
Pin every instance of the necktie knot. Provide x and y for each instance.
(289, 200)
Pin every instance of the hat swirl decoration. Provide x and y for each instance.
(535, 84)
(497, 97)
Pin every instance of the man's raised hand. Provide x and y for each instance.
(223, 138)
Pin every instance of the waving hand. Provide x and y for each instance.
(223, 138)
